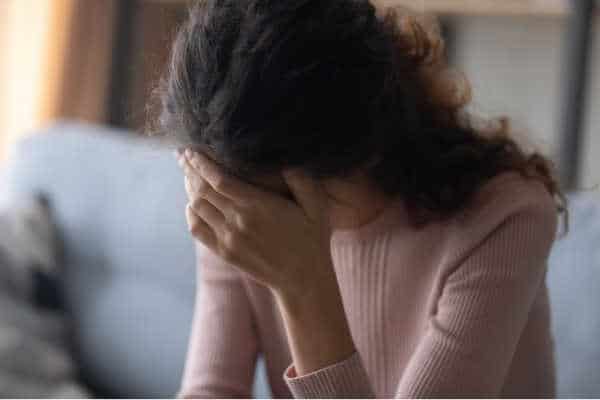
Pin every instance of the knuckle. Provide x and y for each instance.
(244, 222)
(190, 215)
(195, 227)
(195, 186)
(221, 183)
(228, 253)
(198, 203)
(201, 186)
(231, 239)
(190, 184)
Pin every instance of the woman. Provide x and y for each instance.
(354, 225)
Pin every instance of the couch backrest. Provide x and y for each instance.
(574, 287)
(130, 262)
(129, 272)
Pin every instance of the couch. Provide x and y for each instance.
(129, 273)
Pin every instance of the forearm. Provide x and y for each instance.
(316, 325)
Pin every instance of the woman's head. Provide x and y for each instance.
(268, 84)
(332, 87)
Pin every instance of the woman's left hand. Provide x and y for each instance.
(280, 243)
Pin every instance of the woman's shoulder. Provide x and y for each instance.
(508, 196)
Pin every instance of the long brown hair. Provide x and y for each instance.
(480, 148)
(331, 86)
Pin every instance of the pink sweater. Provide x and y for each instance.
(454, 309)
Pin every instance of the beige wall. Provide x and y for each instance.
(24, 31)
(55, 63)
(515, 67)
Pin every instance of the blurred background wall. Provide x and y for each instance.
(25, 76)
(93, 61)
(97, 61)
(516, 67)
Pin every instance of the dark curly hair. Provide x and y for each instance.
(332, 86)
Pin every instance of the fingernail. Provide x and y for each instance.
(177, 154)
(188, 153)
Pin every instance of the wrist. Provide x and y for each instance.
(316, 325)
(312, 294)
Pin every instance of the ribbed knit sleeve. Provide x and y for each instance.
(223, 343)
(345, 379)
(494, 268)
(482, 311)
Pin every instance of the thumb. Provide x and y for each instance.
(308, 192)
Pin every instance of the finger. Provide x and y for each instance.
(308, 192)
(197, 187)
(194, 185)
(225, 183)
(209, 213)
(190, 189)
(188, 169)
(178, 154)
(200, 229)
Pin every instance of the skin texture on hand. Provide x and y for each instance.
(277, 241)
(282, 244)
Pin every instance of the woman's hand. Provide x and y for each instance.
(283, 244)
(280, 243)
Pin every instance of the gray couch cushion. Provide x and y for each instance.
(129, 259)
(130, 262)
(574, 286)
(129, 273)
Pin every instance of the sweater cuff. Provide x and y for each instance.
(346, 378)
